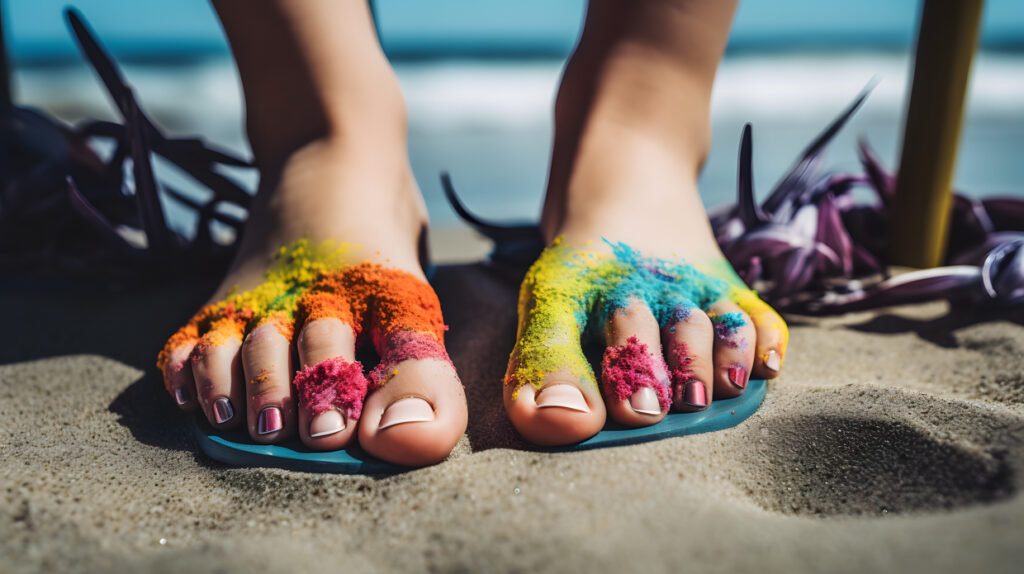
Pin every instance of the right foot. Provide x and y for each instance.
(331, 255)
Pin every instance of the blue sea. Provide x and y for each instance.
(479, 80)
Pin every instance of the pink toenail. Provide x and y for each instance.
(181, 395)
(326, 424)
(564, 396)
(695, 395)
(645, 401)
(222, 410)
(269, 421)
(738, 376)
(407, 410)
(773, 361)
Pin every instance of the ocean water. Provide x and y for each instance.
(488, 122)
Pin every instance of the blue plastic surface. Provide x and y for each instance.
(236, 448)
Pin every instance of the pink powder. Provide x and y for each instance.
(627, 368)
(682, 373)
(332, 383)
(401, 346)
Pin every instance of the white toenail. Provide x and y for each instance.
(645, 401)
(565, 396)
(326, 423)
(407, 410)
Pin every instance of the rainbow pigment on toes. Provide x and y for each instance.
(392, 309)
(568, 291)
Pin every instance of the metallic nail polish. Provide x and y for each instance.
(181, 395)
(738, 376)
(270, 421)
(222, 410)
(695, 395)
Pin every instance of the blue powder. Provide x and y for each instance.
(668, 288)
(726, 324)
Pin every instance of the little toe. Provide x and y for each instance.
(772, 334)
(331, 385)
(178, 378)
(418, 416)
(266, 361)
(634, 375)
(688, 340)
(220, 384)
(733, 348)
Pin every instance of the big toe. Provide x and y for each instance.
(561, 412)
(416, 418)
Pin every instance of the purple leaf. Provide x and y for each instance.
(883, 182)
(749, 211)
(151, 213)
(832, 233)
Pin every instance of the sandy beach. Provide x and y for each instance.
(893, 442)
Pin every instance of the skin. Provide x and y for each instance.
(632, 129)
(327, 126)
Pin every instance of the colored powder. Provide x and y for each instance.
(566, 290)
(627, 368)
(332, 383)
(308, 282)
(726, 325)
(389, 300)
(292, 272)
(403, 346)
(682, 373)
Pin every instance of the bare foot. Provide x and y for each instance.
(331, 255)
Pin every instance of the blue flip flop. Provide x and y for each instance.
(236, 448)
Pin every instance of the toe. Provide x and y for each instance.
(688, 340)
(270, 406)
(634, 376)
(418, 416)
(733, 348)
(220, 384)
(178, 378)
(331, 386)
(772, 334)
(563, 411)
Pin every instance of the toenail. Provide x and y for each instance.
(326, 423)
(645, 401)
(695, 395)
(222, 410)
(565, 396)
(407, 410)
(269, 421)
(181, 395)
(738, 376)
(773, 361)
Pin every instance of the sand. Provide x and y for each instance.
(893, 442)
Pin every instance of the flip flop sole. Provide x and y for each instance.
(237, 449)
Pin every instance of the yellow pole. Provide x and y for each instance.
(946, 41)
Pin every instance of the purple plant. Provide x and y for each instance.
(65, 210)
(810, 247)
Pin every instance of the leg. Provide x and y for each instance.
(326, 122)
(632, 130)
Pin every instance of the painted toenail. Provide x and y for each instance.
(695, 395)
(408, 410)
(181, 395)
(773, 361)
(738, 376)
(269, 421)
(326, 423)
(565, 396)
(222, 410)
(645, 401)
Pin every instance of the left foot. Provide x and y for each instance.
(634, 263)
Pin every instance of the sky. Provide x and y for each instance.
(36, 31)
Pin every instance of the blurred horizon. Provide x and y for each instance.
(147, 30)
(479, 80)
